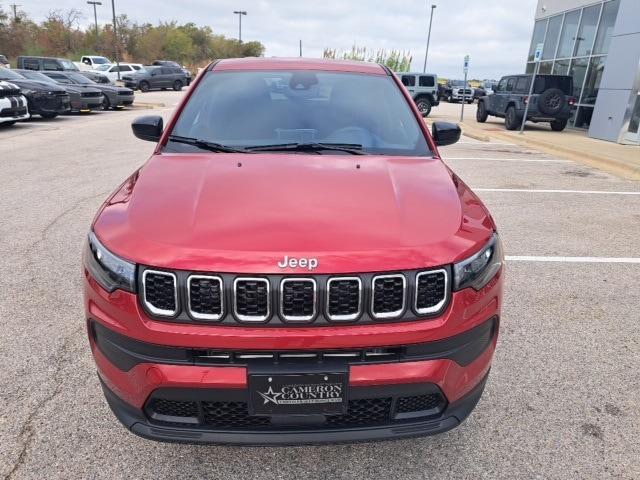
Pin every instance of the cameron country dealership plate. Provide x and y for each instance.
(300, 394)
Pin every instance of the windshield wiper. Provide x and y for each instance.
(203, 144)
(351, 148)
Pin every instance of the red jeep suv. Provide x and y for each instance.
(293, 264)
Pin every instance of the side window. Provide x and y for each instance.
(522, 85)
(31, 64)
(51, 65)
(426, 81)
(511, 84)
(164, 71)
(136, 67)
(408, 80)
(502, 86)
(124, 68)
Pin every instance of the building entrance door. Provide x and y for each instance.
(633, 133)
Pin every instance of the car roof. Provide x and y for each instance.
(297, 63)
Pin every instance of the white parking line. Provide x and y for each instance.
(549, 160)
(512, 258)
(526, 190)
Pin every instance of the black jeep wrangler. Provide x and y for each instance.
(551, 101)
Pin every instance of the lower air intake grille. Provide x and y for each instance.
(230, 414)
(252, 302)
(388, 296)
(160, 292)
(175, 408)
(366, 411)
(419, 403)
(431, 291)
(205, 297)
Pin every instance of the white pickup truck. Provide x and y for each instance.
(91, 62)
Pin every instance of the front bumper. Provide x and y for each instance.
(57, 104)
(139, 358)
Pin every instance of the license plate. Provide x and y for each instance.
(300, 394)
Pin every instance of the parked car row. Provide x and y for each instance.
(24, 93)
(161, 74)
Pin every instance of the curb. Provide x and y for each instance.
(613, 165)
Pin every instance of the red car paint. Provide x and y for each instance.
(372, 213)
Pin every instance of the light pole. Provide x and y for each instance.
(426, 53)
(115, 36)
(95, 16)
(240, 13)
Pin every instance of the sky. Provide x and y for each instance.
(495, 33)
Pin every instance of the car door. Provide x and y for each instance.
(499, 99)
(409, 81)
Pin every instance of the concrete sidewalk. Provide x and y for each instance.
(572, 144)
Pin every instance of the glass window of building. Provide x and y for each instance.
(568, 36)
(587, 31)
(561, 67)
(592, 84)
(551, 40)
(545, 67)
(609, 14)
(578, 71)
(538, 36)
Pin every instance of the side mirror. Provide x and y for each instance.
(445, 133)
(148, 127)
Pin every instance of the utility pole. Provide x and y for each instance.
(300, 47)
(14, 7)
(115, 36)
(426, 53)
(95, 16)
(240, 13)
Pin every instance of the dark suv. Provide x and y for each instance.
(551, 101)
(156, 77)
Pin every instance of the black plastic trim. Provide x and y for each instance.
(125, 352)
(453, 415)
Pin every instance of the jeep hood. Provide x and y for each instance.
(244, 212)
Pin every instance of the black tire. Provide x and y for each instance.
(177, 85)
(48, 115)
(559, 124)
(450, 99)
(511, 120)
(144, 86)
(481, 113)
(424, 106)
(470, 101)
(7, 124)
(552, 101)
(106, 104)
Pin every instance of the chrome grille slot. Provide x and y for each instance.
(160, 292)
(298, 299)
(388, 295)
(252, 299)
(344, 298)
(206, 297)
(431, 291)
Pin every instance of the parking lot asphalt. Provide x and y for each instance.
(563, 397)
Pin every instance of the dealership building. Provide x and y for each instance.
(598, 44)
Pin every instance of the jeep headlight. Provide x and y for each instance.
(477, 270)
(109, 270)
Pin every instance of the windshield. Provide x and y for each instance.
(245, 109)
(81, 79)
(457, 83)
(6, 74)
(100, 60)
(41, 77)
(68, 65)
